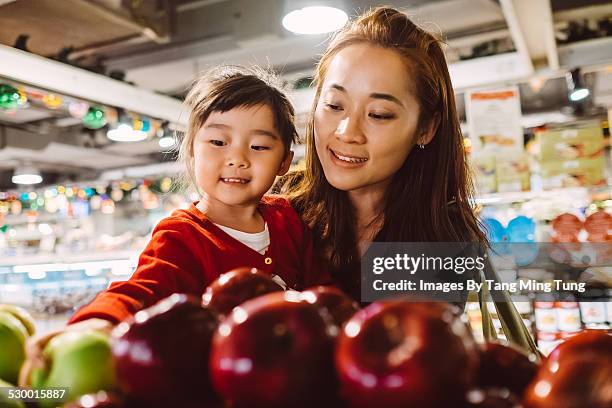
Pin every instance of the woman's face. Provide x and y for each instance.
(366, 117)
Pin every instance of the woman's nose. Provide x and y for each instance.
(349, 130)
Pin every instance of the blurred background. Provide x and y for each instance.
(91, 101)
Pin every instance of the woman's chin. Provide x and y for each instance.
(346, 183)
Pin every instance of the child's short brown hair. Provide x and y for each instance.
(229, 87)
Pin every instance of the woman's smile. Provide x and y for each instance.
(347, 160)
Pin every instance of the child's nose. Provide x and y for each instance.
(238, 160)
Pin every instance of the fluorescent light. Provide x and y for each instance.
(26, 175)
(575, 85)
(125, 133)
(315, 20)
(166, 141)
(579, 94)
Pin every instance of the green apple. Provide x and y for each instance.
(80, 361)
(21, 314)
(5, 401)
(12, 346)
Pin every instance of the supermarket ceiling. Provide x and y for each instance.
(161, 45)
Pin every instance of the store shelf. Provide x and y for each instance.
(522, 196)
(69, 259)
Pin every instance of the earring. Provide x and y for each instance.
(421, 145)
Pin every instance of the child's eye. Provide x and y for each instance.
(215, 142)
(379, 116)
(260, 148)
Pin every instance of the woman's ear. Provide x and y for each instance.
(429, 131)
(285, 164)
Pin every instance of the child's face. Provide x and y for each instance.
(238, 154)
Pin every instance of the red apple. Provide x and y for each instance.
(275, 351)
(161, 353)
(101, 399)
(406, 354)
(502, 365)
(578, 373)
(335, 302)
(237, 286)
(492, 398)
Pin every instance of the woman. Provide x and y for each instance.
(385, 159)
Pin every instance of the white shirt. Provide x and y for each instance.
(258, 241)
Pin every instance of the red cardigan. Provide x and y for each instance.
(187, 252)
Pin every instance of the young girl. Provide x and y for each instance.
(238, 140)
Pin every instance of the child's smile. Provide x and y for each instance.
(237, 156)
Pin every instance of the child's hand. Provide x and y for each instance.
(36, 345)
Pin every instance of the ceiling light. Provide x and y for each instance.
(26, 175)
(313, 17)
(579, 94)
(575, 86)
(126, 133)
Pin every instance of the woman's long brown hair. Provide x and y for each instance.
(428, 199)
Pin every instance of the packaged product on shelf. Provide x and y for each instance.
(483, 165)
(568, 316)
(512, 173)
(573, 173)
(609, 308)
(571, 143)
(593, 312)
(546, 317)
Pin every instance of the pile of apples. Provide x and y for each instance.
(248, 343)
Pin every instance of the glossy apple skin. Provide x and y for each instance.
(492, 398)
(162, 353)
(80, 361)
(335, 302)
(13, 336)
(578, 373)
(502, 365)
(275, 351)
(406, 354)
(237, 286)
(101, 399)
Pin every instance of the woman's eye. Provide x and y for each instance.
(259, 148)
(215, 142)
(380, 116)
(333, 107)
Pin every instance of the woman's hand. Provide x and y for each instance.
(36, 345)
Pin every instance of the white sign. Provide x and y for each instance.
(494, 120)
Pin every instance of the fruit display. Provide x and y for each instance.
(246, 343)
(161, 354)
(275, 351)
(79, 361)
(578, 373)
(237, 286)
(332, 301)
(16, 326)
(101, 399)
(5, 401)
(502, 365)
(492, 398)
(401, 354)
